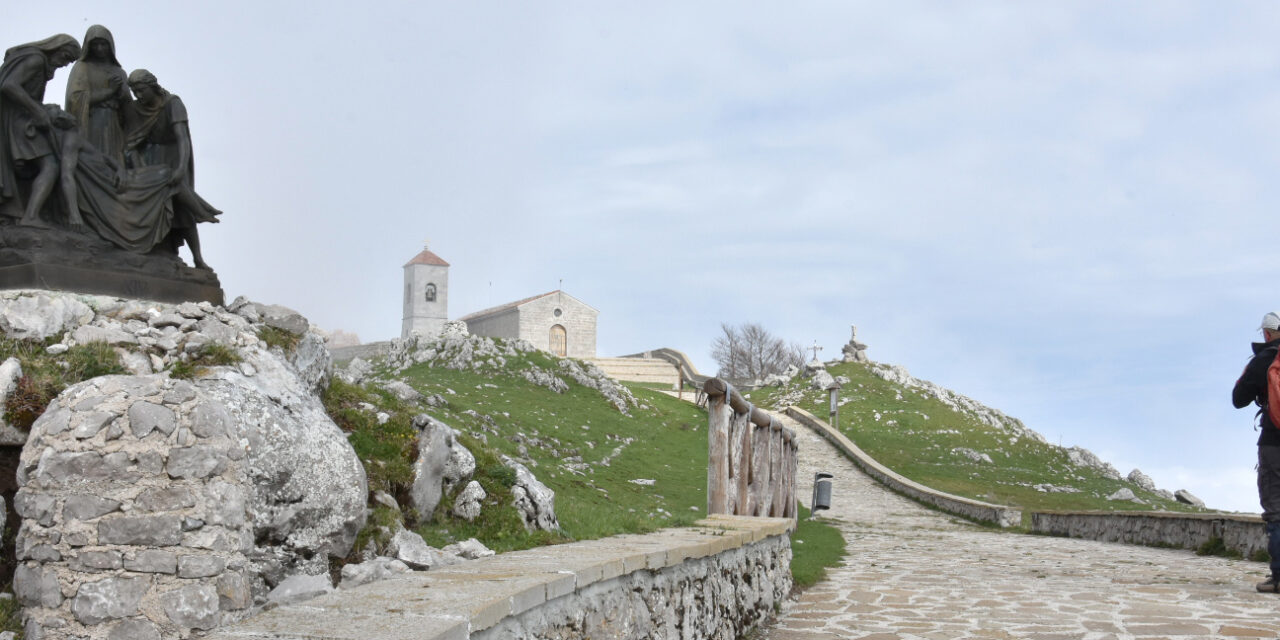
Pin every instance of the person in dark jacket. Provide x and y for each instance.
(1252, 388)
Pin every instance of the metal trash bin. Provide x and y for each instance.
(821, 492)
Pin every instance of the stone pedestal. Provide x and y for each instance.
(63, 260)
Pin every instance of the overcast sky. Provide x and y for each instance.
(1064, 210)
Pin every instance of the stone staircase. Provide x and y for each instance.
(646, 370)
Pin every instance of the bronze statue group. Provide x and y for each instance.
(118, 156)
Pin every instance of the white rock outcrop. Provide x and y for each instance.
(535, 501)
(229, 483)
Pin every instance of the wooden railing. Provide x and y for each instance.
(751, 460)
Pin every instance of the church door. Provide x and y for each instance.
(559, 341)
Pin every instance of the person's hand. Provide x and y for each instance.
(42, 120)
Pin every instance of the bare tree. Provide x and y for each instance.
(749, 352)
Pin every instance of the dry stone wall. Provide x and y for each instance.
(1242, 533)
(716, 581)
(134, 513)
(157, 507)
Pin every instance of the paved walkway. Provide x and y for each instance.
(914, 573)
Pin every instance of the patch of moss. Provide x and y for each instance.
(1217, 547)
(210, 354)
(46, 375)
(286, 341)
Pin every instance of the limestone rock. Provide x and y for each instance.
(309, 491)
(298, 588)
(534, 500)
(112, 598)
(282, 317)
(442, 464)
(454, 329)
(409, 548)
(227, 483)
(1124, 494)
(381, 568)
(1142, 480)
(469, 549)
(402, 391)
(821, 380)
(192, 607)
(30, 315)
(1081, 457)
(971, 455)
(10, 372)
(1185, 497)
(355, 372)
(312, 362)
(387, 500)
(134, 629)
(467, 505)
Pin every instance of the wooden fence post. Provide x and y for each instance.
(720, 414)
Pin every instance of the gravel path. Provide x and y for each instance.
(915, 573)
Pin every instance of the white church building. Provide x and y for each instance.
(555, 322)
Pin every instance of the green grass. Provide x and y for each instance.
(915, 435)
(44, 376)
(815, 546)
(11, 615)
(1217, 547)
(286, 341)
(210, 354)
(567, 436)
(577, 443)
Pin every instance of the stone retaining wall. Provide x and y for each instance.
(717, 580)
(1243, 533)
(964, 507)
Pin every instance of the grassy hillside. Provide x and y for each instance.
(920, 431)
(627, 461)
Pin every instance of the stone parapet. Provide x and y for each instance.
(716, 580)
(1000, 515)
(1238, 532)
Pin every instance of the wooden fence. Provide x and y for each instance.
(751, 465)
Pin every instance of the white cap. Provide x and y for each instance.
(1271, 321)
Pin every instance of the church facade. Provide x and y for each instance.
(555, 322)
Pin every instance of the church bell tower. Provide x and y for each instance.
(426, 295)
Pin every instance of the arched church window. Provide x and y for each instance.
(431, 292)
(559, 341)
(407, 291)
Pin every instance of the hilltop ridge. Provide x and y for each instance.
(949, 441)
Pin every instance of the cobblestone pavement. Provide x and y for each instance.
(915, 573)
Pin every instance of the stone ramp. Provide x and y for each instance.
(913, 573)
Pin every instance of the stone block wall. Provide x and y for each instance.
(1243, 533)
(134, 514)
(504, 325)
(716, 581)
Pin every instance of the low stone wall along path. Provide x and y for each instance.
(912, 573)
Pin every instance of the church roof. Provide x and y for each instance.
(512, 305)
(426, 257)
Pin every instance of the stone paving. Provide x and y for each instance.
(912, 573)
